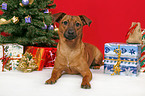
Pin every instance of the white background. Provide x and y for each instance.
(16, 83)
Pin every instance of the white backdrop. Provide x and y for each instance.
(16, 83)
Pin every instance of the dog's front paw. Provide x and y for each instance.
(86, 85)
(50, 81)
(95, 67)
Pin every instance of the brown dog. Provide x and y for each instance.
(74, 56)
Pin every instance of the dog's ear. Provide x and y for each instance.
(57, 17)
(85, 20)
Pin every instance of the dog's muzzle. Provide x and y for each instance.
(70, 34)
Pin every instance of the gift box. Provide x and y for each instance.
(143, 52)
(9, 56)
(44, 56)
(129, 59)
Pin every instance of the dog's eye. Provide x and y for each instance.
(65, 22)
(78, 24)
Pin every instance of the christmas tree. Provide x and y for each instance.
(27, 22)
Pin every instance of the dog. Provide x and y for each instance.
(73, 56)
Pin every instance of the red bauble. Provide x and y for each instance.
(5, 34)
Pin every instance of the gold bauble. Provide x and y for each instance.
(31, 1)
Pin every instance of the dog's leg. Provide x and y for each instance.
(84, 70)
(56, 73)
(98, 61)
(87, 77)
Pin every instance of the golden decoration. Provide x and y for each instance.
(21, 4)
(4, 21)
(116, 67)
(56, 29)
(31, 1)
(15, 20)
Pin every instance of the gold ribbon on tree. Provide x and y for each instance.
(4, 21)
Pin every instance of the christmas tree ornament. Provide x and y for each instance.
(28, 19)
(56, 29)
(4, 6)
(21, 4)
(31, 1)
(15, 19)
(4, 21)
(25, 2)
(46, 11)
(45, 26)
(50, 27)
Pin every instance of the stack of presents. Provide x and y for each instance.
(12, 57)
(126, 58)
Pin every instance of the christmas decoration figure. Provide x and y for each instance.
(29, 31)
(15, 20)
(28, 19)
(4, 6)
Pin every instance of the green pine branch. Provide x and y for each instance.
(28, 34)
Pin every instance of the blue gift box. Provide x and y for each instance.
(130, 58)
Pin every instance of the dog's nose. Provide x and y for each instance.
(71, 32)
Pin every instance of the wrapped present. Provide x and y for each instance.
(27, 63)
(44, 56)
(9, 56)
(123, 59)
(143, 51)
(51, 55)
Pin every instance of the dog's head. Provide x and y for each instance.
(71, 26)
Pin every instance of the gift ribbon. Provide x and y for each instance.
(131, 30)
(6, 59)
(38, 56)
(52, 52)
(122, 60)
